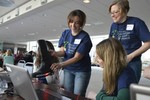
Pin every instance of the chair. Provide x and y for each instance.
(29, 67)
(46, 59)
(96, 83)
(144, 81)
(139, 92)
(21, 63)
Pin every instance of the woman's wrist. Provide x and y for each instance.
(61, 64)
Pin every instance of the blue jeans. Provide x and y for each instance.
(76, 82)
(137, 68)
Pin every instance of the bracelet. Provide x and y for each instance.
(61, 63)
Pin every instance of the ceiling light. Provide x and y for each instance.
(87, 24)
(7, 28)
(22, 23)
(98, 23)
(54, 30)
(44, 15)
(86, 1)
(31, 34)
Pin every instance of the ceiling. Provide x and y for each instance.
(49, 21)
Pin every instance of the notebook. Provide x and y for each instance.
(23, 85)
(139, 92)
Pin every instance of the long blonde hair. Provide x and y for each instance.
(114, 61)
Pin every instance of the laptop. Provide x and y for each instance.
(23, 85)
(139, 92)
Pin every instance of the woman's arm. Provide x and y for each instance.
(123, 94)
(139, 51)
(75, 59)
(59, 53)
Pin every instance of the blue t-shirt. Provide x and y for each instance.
(131, 33)
(125, 79)
(80, 43)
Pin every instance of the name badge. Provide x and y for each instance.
(130, 27)
(77, 41)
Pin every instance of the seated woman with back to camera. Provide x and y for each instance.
(117, 76)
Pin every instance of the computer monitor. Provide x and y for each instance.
(139, 92)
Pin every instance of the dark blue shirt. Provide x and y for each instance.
(80, 43)
(131, 33)
(126, 78)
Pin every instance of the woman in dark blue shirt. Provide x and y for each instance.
(75, 45)
(131, 32)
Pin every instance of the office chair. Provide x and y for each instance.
(29, 67)
(46, 59)
(21, 63)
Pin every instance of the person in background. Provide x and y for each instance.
(75, 45)
(49, 78)
(131, 32)
(8, 57)
(1, 58)
(117, 77)
(18, 57)
(28, 57)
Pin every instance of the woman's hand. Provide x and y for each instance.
(56, 66)
(129, 57)
(146, 72)
(52, 52)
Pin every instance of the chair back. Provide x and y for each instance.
(29, 67)
(21, 63)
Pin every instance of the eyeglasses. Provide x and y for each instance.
(114, 13)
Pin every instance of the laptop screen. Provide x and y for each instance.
(139, 92)
(22, 82)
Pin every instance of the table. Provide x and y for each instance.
(56, 89)
(47, 88)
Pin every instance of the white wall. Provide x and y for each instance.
(95, 40)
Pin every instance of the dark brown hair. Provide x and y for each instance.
(78, 13)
